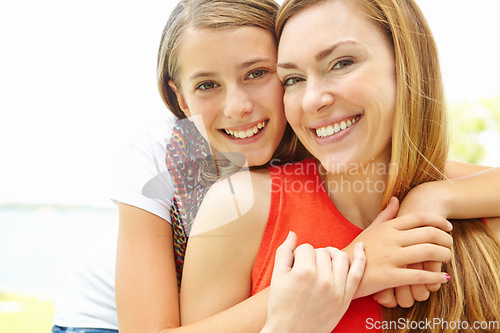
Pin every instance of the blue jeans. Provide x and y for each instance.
(58, 329)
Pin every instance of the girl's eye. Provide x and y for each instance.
(291, 81)
(257, 73)
(343, 63)
(206, 85)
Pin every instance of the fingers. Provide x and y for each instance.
(404, 296)
(305, 259)
(340, 269)
(386, 298)
(420, 219)
(387, 214)
(419, 291)
(324, 264)
(433, 266)
(426, 235)
(407, 276)
(284, 254)
(423, 252)
(356, 270)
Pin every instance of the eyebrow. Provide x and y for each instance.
(320, 55)
(244, 65)
(255, 61)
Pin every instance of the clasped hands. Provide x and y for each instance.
(322, 282)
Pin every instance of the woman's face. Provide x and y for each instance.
(228, 77)
(340, 87)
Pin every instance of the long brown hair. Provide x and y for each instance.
(217, 14)
(419, 151)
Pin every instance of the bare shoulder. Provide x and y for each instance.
(454, 169)
(239, 199)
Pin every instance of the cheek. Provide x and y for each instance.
(293, 111)
(270, 96)
(204, 107)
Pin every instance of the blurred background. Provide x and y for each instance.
(77, 82)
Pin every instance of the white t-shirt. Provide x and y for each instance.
(88, 299)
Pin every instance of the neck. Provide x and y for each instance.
(358, 192)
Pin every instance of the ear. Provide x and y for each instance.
(180, 98)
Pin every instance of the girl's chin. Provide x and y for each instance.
(241, 160)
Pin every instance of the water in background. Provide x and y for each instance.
(40, 245)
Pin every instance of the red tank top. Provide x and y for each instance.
(299, 203)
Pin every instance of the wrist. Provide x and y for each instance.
(439, 196)
(431, 197)
(272, 326)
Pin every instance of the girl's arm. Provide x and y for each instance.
(471, 192)
(147, 298)
(145, 283)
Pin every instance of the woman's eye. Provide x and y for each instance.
(342, 63)
(257, 73)
(291, 81)
(206, 85)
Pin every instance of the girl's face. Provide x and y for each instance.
(340, 86)
(228, 77)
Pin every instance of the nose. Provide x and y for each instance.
(316, 95)
(238, 102)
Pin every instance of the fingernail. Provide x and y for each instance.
(447, 277)
(450, 226)
(361, 246)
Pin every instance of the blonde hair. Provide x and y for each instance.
(419, 151)
(217, 14)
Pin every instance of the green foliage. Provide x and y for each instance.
(468, 121)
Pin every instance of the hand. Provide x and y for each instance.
(311, 288)
(421, 198)
(405, 296)
(393, 245)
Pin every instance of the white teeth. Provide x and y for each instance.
(329, 130)
(246, 133)
(335, 128)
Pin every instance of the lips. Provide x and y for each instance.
(326, 131)
(244, 133)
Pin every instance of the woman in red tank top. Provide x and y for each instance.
(363, 94)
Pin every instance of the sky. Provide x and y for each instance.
(77, 83)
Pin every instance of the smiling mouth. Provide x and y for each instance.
(245, 133)
(327, 131)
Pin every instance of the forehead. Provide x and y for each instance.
(210, 47)
(319, 26)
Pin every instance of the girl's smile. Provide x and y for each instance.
(228, 77)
